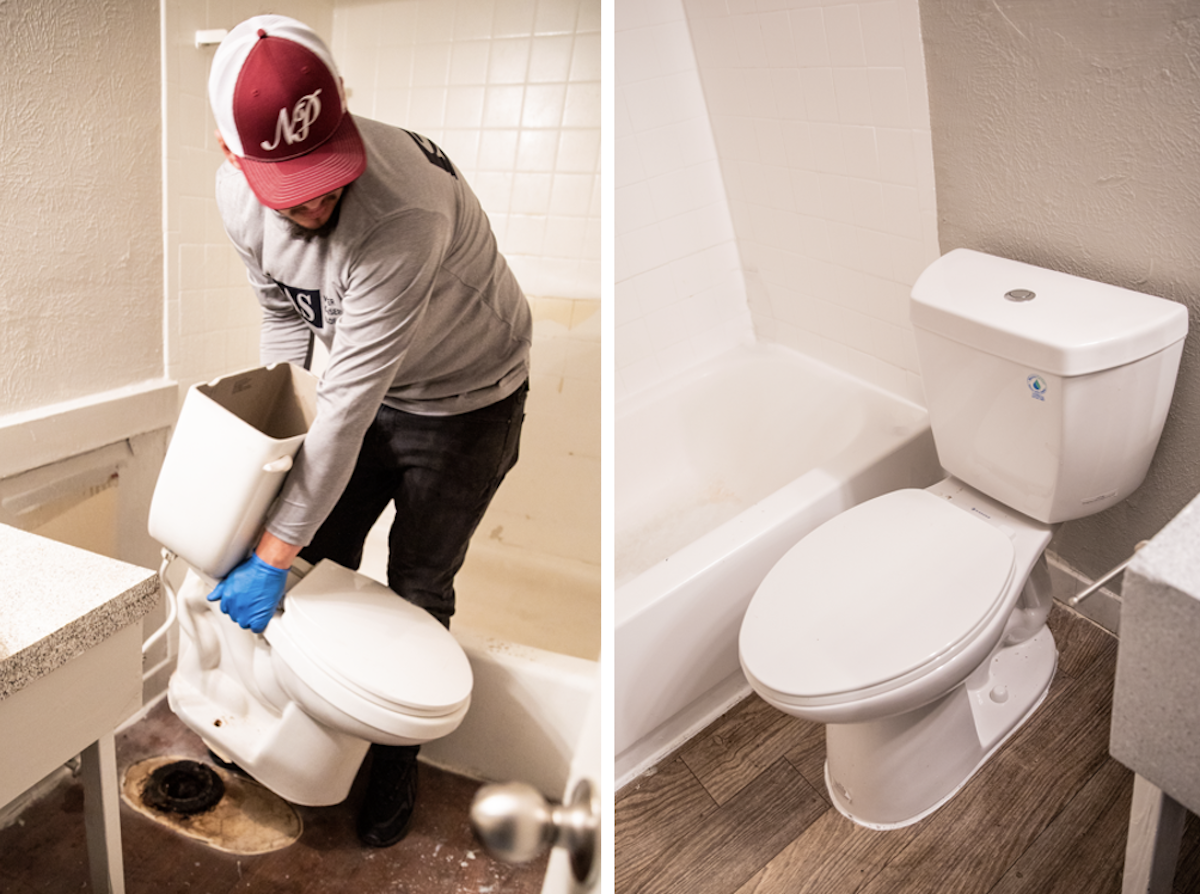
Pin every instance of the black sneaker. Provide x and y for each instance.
(387, 810)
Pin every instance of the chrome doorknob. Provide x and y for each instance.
(517, 824)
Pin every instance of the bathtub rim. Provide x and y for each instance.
(698, 553)
(745, 355)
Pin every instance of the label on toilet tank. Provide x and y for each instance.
(1037, 386)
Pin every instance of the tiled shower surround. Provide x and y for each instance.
(511, 90)
(774, 181)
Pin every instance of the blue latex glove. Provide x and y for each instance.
(250, 593)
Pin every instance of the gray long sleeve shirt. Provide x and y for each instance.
(409, 293)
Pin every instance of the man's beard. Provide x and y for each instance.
(304, 234)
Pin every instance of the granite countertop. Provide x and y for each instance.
(57, 601)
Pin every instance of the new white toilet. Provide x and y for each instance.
(913, 625)
(344, 663)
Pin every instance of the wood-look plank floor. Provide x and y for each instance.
(742, 807)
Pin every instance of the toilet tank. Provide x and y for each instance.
(1045, 391)
(230, 452)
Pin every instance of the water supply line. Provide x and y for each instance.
(1084, 594)
(172, 608)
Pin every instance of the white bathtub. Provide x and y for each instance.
(717, 475)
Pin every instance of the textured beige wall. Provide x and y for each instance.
(81, 294)
(1066, 134)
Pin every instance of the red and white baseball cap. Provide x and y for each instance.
(279, 104)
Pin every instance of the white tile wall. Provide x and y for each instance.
(680, 294)
(820, 120)
(510, 89)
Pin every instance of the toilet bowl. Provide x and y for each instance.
(345, 663)
(914, 625)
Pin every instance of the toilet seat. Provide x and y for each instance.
(875, 598)
(369, 652)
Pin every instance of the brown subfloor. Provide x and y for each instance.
(45, 851)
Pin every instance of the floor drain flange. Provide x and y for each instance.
(248, 819)
(185, 787)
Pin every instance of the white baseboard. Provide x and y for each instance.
(1103, 607)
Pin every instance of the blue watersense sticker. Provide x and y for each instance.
(1037, 385)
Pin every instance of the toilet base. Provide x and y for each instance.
(265, 703)
(299, 759)
(892, 772)
(223, 690)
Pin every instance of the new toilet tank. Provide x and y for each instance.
(1045, 391)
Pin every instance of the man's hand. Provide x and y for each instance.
(251, 592)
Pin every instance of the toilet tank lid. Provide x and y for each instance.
(1070, 327)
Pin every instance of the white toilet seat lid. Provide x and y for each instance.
(875, 597)
(359, 634)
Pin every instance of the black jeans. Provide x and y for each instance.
(441, 472)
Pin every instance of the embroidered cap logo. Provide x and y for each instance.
(295, 129)
(286, 102)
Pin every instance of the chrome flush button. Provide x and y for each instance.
(1020, 295)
